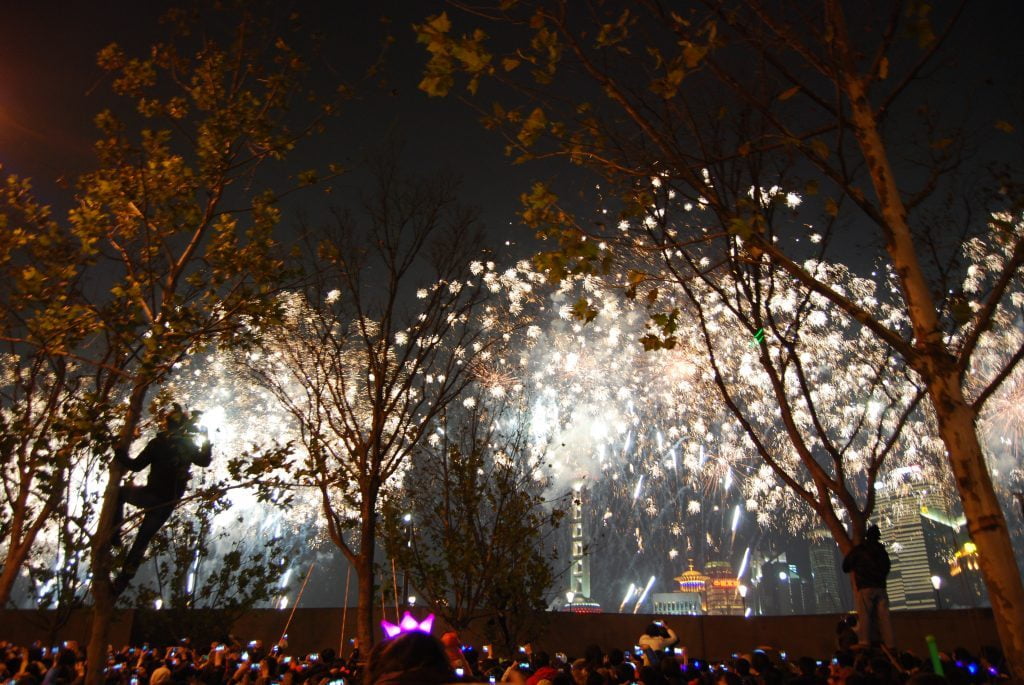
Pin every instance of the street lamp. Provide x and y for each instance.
(936, 584)
(743, 596)
(408, 543)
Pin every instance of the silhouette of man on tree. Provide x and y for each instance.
(169, 456)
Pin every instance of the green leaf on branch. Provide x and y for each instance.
(652, 343)
(583, 311)
(667, 86)
(435, 85)
(439, 23)
(740, 226)
(918, 23)
(960, 309)
(668, 323)
(532, 127)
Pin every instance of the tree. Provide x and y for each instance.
(176, 225)
(363, 373)
(470, 525)
(57, 568)
(728, 96)
(782, 357)
(42, 433)
(44, 420)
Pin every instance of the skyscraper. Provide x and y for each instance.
(780, 590)
(824, 555)
(966, 588)
(914, 522)
(723, 596)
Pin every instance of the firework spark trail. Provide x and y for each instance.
(643, 595)
(735, 520)
(629, 595)
(743, 564)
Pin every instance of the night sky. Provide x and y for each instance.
(50, 89)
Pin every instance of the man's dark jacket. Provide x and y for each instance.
(169, 456)
(869, 563)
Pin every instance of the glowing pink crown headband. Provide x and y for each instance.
(407, 625)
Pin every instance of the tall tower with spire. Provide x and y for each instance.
(578, 597)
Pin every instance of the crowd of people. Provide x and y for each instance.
(416, 657)
(223, 663)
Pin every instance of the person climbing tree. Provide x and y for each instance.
(169, 456)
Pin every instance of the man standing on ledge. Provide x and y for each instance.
(169, 457)
(869, 563)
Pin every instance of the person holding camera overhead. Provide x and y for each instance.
(169, 456)
(656, 639)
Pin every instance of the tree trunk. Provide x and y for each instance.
(18, 552)
(956, 419)
(16, 556)
(985, 520)
(102, 588)
(364, 613)
(103, 596)
(99, 637)
(364, 571)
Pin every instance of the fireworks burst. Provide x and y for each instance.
(669, 472)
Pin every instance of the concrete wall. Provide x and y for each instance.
(716, 637)
(710, 637)
(26, 627)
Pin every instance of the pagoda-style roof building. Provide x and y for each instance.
(689, 599)
(692, 580)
